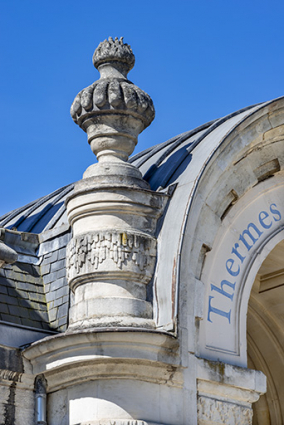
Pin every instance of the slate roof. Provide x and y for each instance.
(22, 296)
(41, 215)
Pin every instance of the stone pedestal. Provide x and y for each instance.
(112, 254)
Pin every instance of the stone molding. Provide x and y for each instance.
(9, 375)
(110, 252)
(23, 380)
(148, 356)
(101, 369)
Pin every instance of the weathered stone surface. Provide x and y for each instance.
(93, 108)
(212, 411)
(111, 253)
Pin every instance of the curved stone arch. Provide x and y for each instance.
(250, 152)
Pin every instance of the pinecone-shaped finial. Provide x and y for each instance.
(114, 51)
(112, 110)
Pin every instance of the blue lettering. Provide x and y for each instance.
(250, 235)
(262, 216)
(275, 212)
(217, 311)
(235, 251)
(222, 291)
(229, 266)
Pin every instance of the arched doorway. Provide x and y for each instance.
(265, 335)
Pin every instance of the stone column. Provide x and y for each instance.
(112, 211)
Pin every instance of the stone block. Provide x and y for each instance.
(51, 277)
(62, 328)
(63, 310)
(18, 311)
(61, 292)
(58, 284)
(34, 315)
(9, 318)
(62, 321)
(51, 257)
(47, 287)
(3, 289)
(6, 299)
(37, 297)
(58, 301)
(45, 326)
(45, 269)
(4, 308)
(49, 297)
(54, 324)
(27, 287)
(57, 265)
(52, 314)
(31, 323)
(23, 300)
(38, 306)
(12, 292)
(54, 244)
(62, 253)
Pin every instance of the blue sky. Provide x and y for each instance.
(198, 60)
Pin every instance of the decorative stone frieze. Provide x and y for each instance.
(112, 210)
(110, 252)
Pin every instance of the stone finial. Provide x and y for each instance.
(114, 51)
(113, 111)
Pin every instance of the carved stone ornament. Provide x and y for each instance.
(112, 210)
(212, 411)
(111, 252)
(112, 110)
